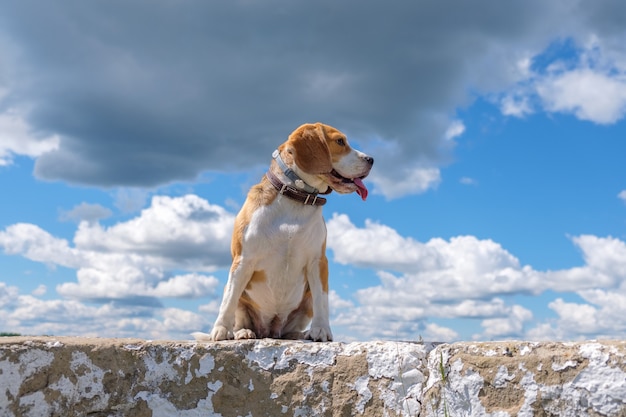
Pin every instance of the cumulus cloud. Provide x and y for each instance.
(510, 326)
(132, 109)
(124, 271)
(33, 316)
(516, 105)
(414, 180)
(586, 93)
(466, 277)
(17, 138)
(179, 231)
(591, 85)
(131, 260)
(463, 264)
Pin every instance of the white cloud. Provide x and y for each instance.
(406, 181)
(604, 257)
(510, 326)
(16, 138)
(437, 269)
(591, 87)
(456, 128)
(128, 267)
(465, 277)
(186, 286)
(575, 318)
(586, 93)
(40, 290)
(438, 333)
(33, 316)
(184, 231)
(352, 245)
(132, 259)
(622, 195)
(515, 105)
(34, 243)
(130, 282)
(8, 295)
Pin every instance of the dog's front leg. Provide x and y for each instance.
(317, 274)
(237, 280)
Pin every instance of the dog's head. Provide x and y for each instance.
(322, 157)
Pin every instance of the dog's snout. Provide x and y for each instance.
(369, 159)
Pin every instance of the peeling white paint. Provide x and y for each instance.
(394, 363)
(184, 354)
(133, 347)
(605, 384)
(12, 374)
(460, 392)
(267, 357)
(54, 344)
(360, 386)
(588, 378)
(157, 372)
(526, 349)
(558, 367)
(207, 364)
(35, 405)
(531, 389)
(502, 377)
(88, 381)
(162, 407)
(302, 412)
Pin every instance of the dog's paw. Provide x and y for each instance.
(244, 334)
(319, 334)
(221, 333)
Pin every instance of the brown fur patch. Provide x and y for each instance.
(336, 141)
(257, 277)
(249, 304)
(324, 269)
(310, 151)
(253, 318)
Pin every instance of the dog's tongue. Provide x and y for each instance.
(361, 188)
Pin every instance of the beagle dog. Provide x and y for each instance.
(278, 281)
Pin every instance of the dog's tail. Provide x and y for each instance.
(202, 337)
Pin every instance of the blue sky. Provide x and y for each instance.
(130, 133)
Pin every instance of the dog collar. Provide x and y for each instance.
(290, 173)
(310, 199)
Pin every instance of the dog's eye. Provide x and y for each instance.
(341, 142)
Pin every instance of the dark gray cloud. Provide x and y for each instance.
(146, 92)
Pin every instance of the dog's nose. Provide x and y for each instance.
(369, 160)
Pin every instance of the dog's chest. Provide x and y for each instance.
(282, 244)
(286, 234)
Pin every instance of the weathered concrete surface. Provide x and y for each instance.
(129, 377)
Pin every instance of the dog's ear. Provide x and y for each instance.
(310, 149)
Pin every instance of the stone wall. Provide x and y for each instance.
(129, 377)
